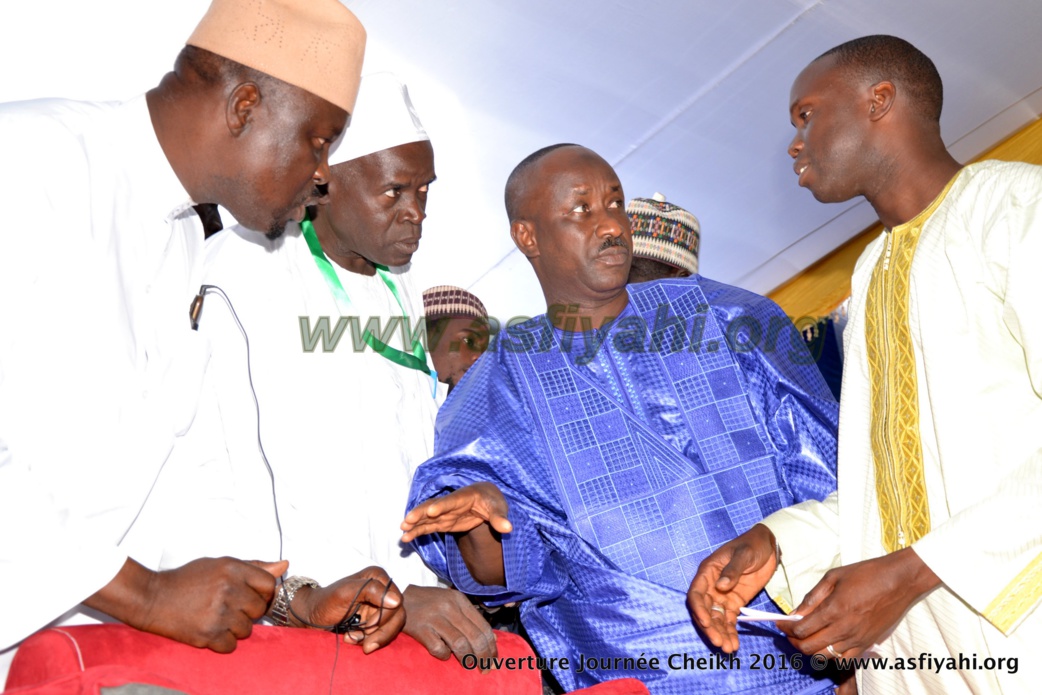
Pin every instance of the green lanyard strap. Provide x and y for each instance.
(418, 359)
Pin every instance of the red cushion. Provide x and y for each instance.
(92, 680)
(272, 660)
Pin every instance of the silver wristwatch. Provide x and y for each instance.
(284, 596)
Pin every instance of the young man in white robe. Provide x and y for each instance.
(930, 554)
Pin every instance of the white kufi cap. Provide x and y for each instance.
(384, 117)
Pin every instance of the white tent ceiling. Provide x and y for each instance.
(687, 97)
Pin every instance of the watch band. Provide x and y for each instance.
(284, 596)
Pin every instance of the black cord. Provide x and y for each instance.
(352, 621)
(203, 290)
(336, 658)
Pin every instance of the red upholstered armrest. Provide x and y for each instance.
(272, 660)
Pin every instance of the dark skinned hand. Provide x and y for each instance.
(210, 602)
(447, 623)
(369, 593)
(847, 683)
(729, 579)
(855, 606)
(459, 511)
(477, 514)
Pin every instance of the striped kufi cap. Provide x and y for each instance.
(449, 300)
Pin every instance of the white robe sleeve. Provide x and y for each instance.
(808, 538)
(48, 561)
(990, 553)
(46, 567)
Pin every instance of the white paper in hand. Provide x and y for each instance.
(749, 615)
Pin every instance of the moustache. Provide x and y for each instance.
(612, 241)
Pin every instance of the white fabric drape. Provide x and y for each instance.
(99, 370)
(343, 430)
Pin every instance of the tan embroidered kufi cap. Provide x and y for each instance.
(317, 45)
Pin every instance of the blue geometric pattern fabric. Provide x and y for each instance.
(627, 455)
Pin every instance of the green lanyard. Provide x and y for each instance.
(418, 359)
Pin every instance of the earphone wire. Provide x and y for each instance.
(203, 290)
(352, 608)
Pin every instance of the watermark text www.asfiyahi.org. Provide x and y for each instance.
(667, 333)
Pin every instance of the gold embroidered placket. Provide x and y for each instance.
(904, 510)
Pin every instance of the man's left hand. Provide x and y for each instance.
(459, 511)
(856, 606)
(447, 624)
(369, 593)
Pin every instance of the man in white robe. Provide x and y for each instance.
(341, 425)
(930, 555)
(99, 369)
